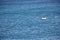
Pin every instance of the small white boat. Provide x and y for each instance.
(43, 17)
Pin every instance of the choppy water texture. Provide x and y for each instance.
(29, 19)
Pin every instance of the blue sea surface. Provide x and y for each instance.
(30, 19)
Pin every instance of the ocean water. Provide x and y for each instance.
(29, 19)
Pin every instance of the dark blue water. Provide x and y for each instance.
(29, 19)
